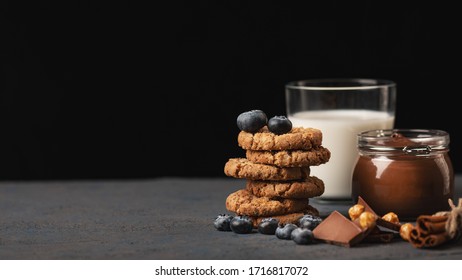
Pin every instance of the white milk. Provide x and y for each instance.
(339, 128)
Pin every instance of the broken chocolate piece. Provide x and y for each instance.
(380, 222)
(338, 230)
(379, 237)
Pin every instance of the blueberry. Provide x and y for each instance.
(252, 121)
(241, 224)
(268, 226)
(279, 125)
(284, 232)
(309, 221)
(302, 236)
(222, 222)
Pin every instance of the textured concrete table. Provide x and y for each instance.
(167, 218)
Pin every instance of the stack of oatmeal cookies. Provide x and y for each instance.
(277, 173)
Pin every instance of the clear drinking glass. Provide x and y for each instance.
(340, 108)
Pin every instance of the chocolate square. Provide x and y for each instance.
(337, 229)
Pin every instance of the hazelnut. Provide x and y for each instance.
(355, 211)
(367, 220)
(391, 217)
(405, 231)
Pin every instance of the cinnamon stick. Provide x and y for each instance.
(415, 239)
(434, 240)
(430, 224)
(419, 240)
(429, 231)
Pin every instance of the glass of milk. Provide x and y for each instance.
(340, 108)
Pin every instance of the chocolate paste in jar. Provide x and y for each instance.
(408, 172)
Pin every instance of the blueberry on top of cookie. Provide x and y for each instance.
(279, 125)
(252, 121)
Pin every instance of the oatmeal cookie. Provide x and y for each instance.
(299, 138)
(290, 158)
(242, 202)
(243, 168)
(307, 188)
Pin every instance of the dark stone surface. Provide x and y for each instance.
(167, 218)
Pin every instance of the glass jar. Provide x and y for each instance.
(405, 171)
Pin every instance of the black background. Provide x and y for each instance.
(116, 90)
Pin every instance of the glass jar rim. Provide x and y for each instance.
(410, 141)
(340, 84)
